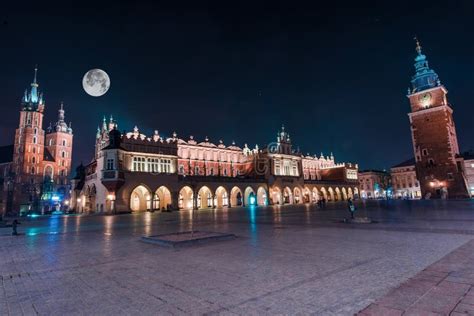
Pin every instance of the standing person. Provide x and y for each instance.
(351, 207)
(15, 223)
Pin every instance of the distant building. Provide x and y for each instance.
(405, 184)
(35, 169)
(374, 184)
(439, 167)
(133, 172)
(468, 158)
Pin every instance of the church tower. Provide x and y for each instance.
(28, 147)
(59, 146)
(435, 144)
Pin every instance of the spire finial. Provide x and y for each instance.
(36, 72)
(418, 46)
(62, 106)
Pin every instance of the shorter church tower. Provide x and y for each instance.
(435, 143)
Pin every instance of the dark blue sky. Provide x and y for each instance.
(335, 74)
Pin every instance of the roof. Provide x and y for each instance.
(406, 163)
(468, 155)
(6, 154)
(372, 170)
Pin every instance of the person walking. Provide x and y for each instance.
(15, 223)
(351, 207)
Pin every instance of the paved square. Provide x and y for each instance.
(285, 260)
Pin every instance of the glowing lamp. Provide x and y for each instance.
(55, 198)
(252, 200)
(111, 197)
(78, 200)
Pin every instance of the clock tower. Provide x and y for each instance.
(435, 144)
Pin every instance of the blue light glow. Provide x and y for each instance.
(252, 200)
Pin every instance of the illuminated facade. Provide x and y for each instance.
(35, 177)
(437, 160)
(405, 184)
(135, 172)
(374, 184)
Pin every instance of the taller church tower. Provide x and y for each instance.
(435, 144)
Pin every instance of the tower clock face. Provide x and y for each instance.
(425, 99)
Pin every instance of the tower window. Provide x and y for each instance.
(34, 140)
(63, 154)
(196, 170)
(64, 142)
(450, 176)
(431, 162)
(425, 152)
(110, 164)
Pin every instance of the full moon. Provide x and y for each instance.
(96, 82)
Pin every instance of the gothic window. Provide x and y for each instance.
(63, 154)
(211, 171)
(36, 131)
(32, 170)
(34, 140)
(425, 152)
(431, 162)
(50, 142)
(225, 172)
(64, 142)
(33, 160)
(196, 170)
(181, 169)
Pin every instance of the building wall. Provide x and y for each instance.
(469, 172)
(203, 175)
(405, 184)
(373, 184)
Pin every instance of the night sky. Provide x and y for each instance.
(336, 74)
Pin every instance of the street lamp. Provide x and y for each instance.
(111, 198)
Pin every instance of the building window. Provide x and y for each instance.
(139, 164)
(450, 176)
(165, 165)
(64, 142)
(63, 154)
(36, 131)
(181, 169)
(50, 142)
(34, 140)
(32, 170)
(225, 172)
(110, 164)
(153, 165)
(425, 152)
(33, 160)
(211, 172)
(196, 170)
(431, 162)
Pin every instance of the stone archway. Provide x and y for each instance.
(185, 198)
(306, 195)
(356, 193)
(297, 198)
(287, 196)
(315, 195)
(262, 196)
(349, 193)
(236, 196)
(221, 198)
(330, 194)
(140, 199)
(161, 199)
(275, 195)
(324, 192)
(344, 194)
(249, 196)
(204, 198)
(338, 196)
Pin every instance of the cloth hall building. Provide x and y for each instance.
(135, 172)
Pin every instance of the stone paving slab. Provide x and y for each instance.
(444, 288)
(187, 238)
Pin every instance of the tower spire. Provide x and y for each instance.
(36, 72)
(418, 46)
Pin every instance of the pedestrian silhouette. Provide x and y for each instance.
(15, 223)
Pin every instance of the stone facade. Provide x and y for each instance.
(373, 184)
(40, 164)
(134, 172)
(437, 161)
(405, 184)
(468, 158)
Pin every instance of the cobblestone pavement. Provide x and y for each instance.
(286, 260)
(443, 288)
